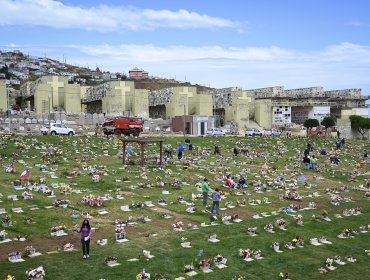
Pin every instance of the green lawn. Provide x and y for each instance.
(279, 157)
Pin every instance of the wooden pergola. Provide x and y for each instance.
(142, 142)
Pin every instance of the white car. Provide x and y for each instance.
(269, 132)
(215, 132)
(253, 132)
(57, 128)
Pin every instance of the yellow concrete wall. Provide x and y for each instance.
(120, 99)
(263, 112)
(3, 96)
(141, 103)
(178, 105)
(203, 105)
(41, 99)
(72, 99)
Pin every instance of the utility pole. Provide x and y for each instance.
(9, 110)
(49, 112)
(184, 120)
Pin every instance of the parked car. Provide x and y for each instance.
(273, 132)
(253, 132)
(57, 128)
(215, 132)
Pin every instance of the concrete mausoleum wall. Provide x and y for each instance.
(3, 96)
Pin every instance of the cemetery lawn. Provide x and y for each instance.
(72, 159)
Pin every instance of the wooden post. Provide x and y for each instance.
(160, 152)
(142, 154)
(124, 151)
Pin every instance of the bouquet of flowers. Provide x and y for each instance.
(92, 200)
(3, 234)
(226, 219)
(188, 268)
(252, 231)
(298, 241)
(58, 228)
(27, 195)
(61, 203)
(283, 275)
(110, 260)
(120, 230)
(95, 178)
(218, 259)
(29, 250)
(15, 255)
(20, 237)
(143, 275)
(205, 263)
(269, 228)
(281, 223)
(5, 220)
(245, 254)
(9, 277)
(68, 247)
(213, 218)
(299, 220)
(322, 270)
(64, 189)
(36, 273)
(178, 225)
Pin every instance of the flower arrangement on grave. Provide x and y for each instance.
(29, 250)
(226, 219)
(20, 237)
(14, 255)
(205, 263)
(299, 220)
(95, 178)
(143, 275)
(27, 195)
(213, 218)
(3, 235)
(269, 227)
(275, 245)
(245, 254)
(9, 277)
(118, 221)
(137, 204)
(367, 252)
(281, 223)
(298, 241)
(61, 203)
(65, 189)
(28, 220)
(322, 270)
(178, 225)
(92, 200)
(312, 205)
(234, 217)
(48, 192)
(5, 220)
(120, 230)
(257, 254)
(36, 273)
(238, 278)
(219, 259)
(252, 231)
(58, 228)
(188, 268)
(68, 247)
(283, 275)
(110, 260)
(289, 245)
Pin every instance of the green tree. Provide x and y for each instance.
(310, 123)
(360, 124)
(328, 122)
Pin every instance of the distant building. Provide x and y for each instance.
(137, 73)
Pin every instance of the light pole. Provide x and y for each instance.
(9, 110)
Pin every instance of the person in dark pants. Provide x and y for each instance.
(216, 197)
(180, 150)
(85, 232)
(205, 190)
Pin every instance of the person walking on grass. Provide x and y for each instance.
(85, 232)
(205, 190)
(216, 197)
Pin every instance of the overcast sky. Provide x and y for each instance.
(219, 43)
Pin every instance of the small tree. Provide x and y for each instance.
(360, 124)
(328, 122)
(310, 123)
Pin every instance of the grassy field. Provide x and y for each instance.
(71, 159)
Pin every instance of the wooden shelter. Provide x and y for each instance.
(142, 142)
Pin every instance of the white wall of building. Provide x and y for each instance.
(319, 112)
